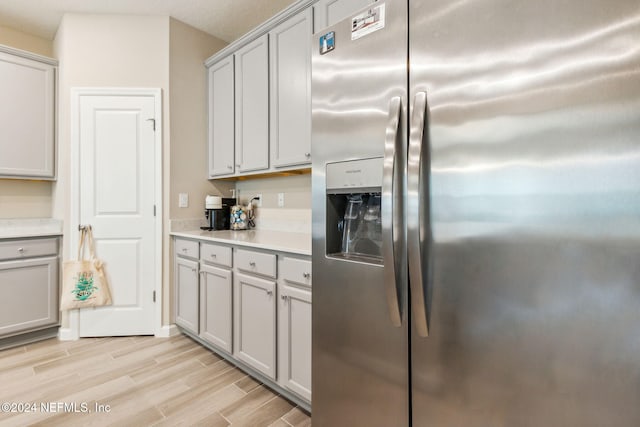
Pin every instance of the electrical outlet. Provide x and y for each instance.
(183, 200)
(280, 200)
(259, 201)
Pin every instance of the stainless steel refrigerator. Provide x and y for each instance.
(476, 214)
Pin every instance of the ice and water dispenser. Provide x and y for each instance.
(354, 225)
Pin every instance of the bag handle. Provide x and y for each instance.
(81, 244)
(92, 250)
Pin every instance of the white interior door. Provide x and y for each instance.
(117, 198)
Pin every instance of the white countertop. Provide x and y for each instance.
(281, 241)
(30, 227)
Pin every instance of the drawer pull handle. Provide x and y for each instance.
(21, 250)
(284, 297)
(229, 167)
(213, 255)
(184, 249)
(193, 269)
(252, 263)
(306, 275)
(269, 293)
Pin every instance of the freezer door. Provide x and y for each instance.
(360, 337)
(534, 131)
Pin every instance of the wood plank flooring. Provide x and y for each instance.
(143, 381)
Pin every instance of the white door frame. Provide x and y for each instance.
(74, 219)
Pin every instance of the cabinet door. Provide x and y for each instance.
(255, 323)
(329, 12)
(187, 290)
(290, 91)
(216, 323)
(252, 106)
(294, 347)
(221, 123)
(27, 128)
(29, 295)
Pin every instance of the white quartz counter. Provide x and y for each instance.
(296, 243)
(31, 227)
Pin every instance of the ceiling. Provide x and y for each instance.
(225, 19)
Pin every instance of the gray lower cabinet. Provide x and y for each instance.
(216, 306)
(29, 278)
(294, 339)
(187, 294)
(252, 307)
(255, 322)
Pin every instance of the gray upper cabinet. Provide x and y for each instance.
(221, 118)
(27, 115)
(290, 67)
(329, 12)
(252, 105)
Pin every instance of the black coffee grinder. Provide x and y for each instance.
(217, 211)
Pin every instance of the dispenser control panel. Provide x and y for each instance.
(344, 177)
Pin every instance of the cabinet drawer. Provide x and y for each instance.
(296, 271)
(256, 262)
(215, 254)
(187, 248)
(16, 249)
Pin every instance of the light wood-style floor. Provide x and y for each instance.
(145, 381)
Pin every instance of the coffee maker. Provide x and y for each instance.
(217, 211)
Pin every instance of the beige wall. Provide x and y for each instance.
(296, 189)
(22, 198)
(189, 48)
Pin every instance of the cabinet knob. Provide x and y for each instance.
(252, 263)
(306, 275)
(184, 250)
(269, 293)
(193, 269)
(214, 256)
(21, 250)
(307, 154)
(229, 167)
(284, 297)
(237, 165)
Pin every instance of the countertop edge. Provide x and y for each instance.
(277, 247)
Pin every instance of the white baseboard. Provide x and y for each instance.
(67, 334)
(167, 331)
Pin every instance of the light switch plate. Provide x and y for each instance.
(280, 200)
(183, 200)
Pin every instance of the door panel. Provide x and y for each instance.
(290, 90)
(534, 124)
(216, 303)
(187, 294)
(294, 315)
(255, 323)
(360, 359)
(221, 118)
(117, 197)
(252, 106)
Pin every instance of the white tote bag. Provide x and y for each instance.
(84, 283)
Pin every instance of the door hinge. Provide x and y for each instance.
(154, 210)
(154, 296)
(154, 123)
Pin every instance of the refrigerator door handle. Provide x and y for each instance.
(390, 212)
(417, 215)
